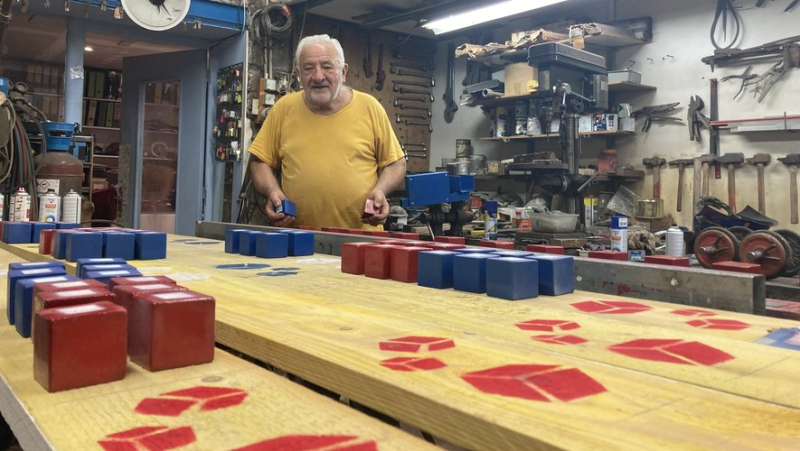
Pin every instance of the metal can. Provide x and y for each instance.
(71, 207)
(619, 234)
(463, 148)
(49, 206)
(22, 206)
(675, 244)
(2, 206)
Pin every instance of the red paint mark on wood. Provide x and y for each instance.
(157, 438)
(164, 407)
(611, 307)
(693, 312)
(313, 443)
(535, 382)
(413, 363)
(559, 339)
(223, 402)
(672, 351)
(720, 324)
(548, 325)
(415, 344)
(202, 392)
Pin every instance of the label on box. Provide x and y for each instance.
(78, 309)
(74, 283)
(113, 273)
(153, 286)
(28, 272)
(76, 293)
(173, 296)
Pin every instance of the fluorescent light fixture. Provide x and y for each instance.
(486, 14)
(88, 49)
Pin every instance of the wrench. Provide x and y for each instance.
(396, 83)
(397, 54)
(417, 124)
(407, 99)
(404, 145)
(393, 67)
(416, 91)
(404, 107)
(399, 117)
(414, 74)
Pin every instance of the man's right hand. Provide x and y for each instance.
(273, 202)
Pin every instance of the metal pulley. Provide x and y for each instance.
(715, 244)
(767, 249)
(792, 267)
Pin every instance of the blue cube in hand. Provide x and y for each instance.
(232, 240)
(556, 274)
(84, 245)
(469, 271)
(288, 208)
(301, 242)
(435, 269)
(512, 278)
(272, 245)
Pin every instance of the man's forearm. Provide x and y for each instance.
(264, 179)
(391, 176)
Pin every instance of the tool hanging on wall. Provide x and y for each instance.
(450, 105)
(792, 160)
(368, 57)
(760, 160)
(380, 77)
(746, 78)
(658, 113)
(697, 120)
(681, 164)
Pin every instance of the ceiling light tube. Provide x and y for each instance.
(486, 14)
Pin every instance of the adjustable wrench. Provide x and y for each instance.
(403, 73)
(407, 99)
(397, 83)
(399, 117)
(416, 91)
(417, 124)
(426, 60)
(393, 67)
(405, 107)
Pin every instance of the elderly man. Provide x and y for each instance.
(333, 147)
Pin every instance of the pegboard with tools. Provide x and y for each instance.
(227, 131)
(398, 71)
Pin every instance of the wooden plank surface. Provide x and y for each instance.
(327, 327)
(271, 407)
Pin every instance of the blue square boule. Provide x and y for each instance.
(272, 245)
(435, 269)
(556, 274)
(469, 271)
(301, 242)
(512, 278)
(84, 245)
(232, 240)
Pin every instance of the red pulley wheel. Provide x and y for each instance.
(767, 249)
(715, 244)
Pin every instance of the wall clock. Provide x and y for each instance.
(156, 15)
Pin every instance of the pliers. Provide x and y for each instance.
(658, 113)
(746, 78)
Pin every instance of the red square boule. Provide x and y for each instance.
(404, 263)
(80, 346)
(46, 241)
(450, 239)
(353, 257)
(171, 330)
(139, 280)
(445, 246)
(378, 261)
(545, 248)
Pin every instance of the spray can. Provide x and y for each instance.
(71, 207)
(619, 234)
(674, 242)
(589, 210)
(490, 220)
(49, 206)
(22, 206)
(2, 206)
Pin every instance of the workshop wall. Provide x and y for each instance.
(681, 29)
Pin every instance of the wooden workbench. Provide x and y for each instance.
(262, 406)
(307, 317)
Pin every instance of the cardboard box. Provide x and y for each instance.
(585, 123)
(627, 124)
(605, 122)
(520, 79)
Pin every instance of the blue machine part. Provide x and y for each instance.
(432, 188)
(4, 82)
(59, 135)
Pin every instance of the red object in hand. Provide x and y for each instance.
(609, 255)
(171, 330)
(668, 260)
(544, 248)
(139, 280)
(404, 263)
(451, 240)
(749, 268)
(378, 261)
(80, 346)
(370, 210)
(46, 241)
(353, 257)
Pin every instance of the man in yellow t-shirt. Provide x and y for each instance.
(334, 147)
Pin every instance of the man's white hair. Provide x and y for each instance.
(320, 39)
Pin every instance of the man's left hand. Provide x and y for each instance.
(379, 201)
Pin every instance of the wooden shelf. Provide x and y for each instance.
(95, 127)
(625, 86)
(505, 100)
(556, 135)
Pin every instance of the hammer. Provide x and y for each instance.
(760, 160)
(681, 164)
(730, 160)
(655, 163)
(705, 161)
(792, 160)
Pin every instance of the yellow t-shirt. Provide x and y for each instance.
(329, 164)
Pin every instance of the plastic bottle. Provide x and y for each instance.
(619, 234)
